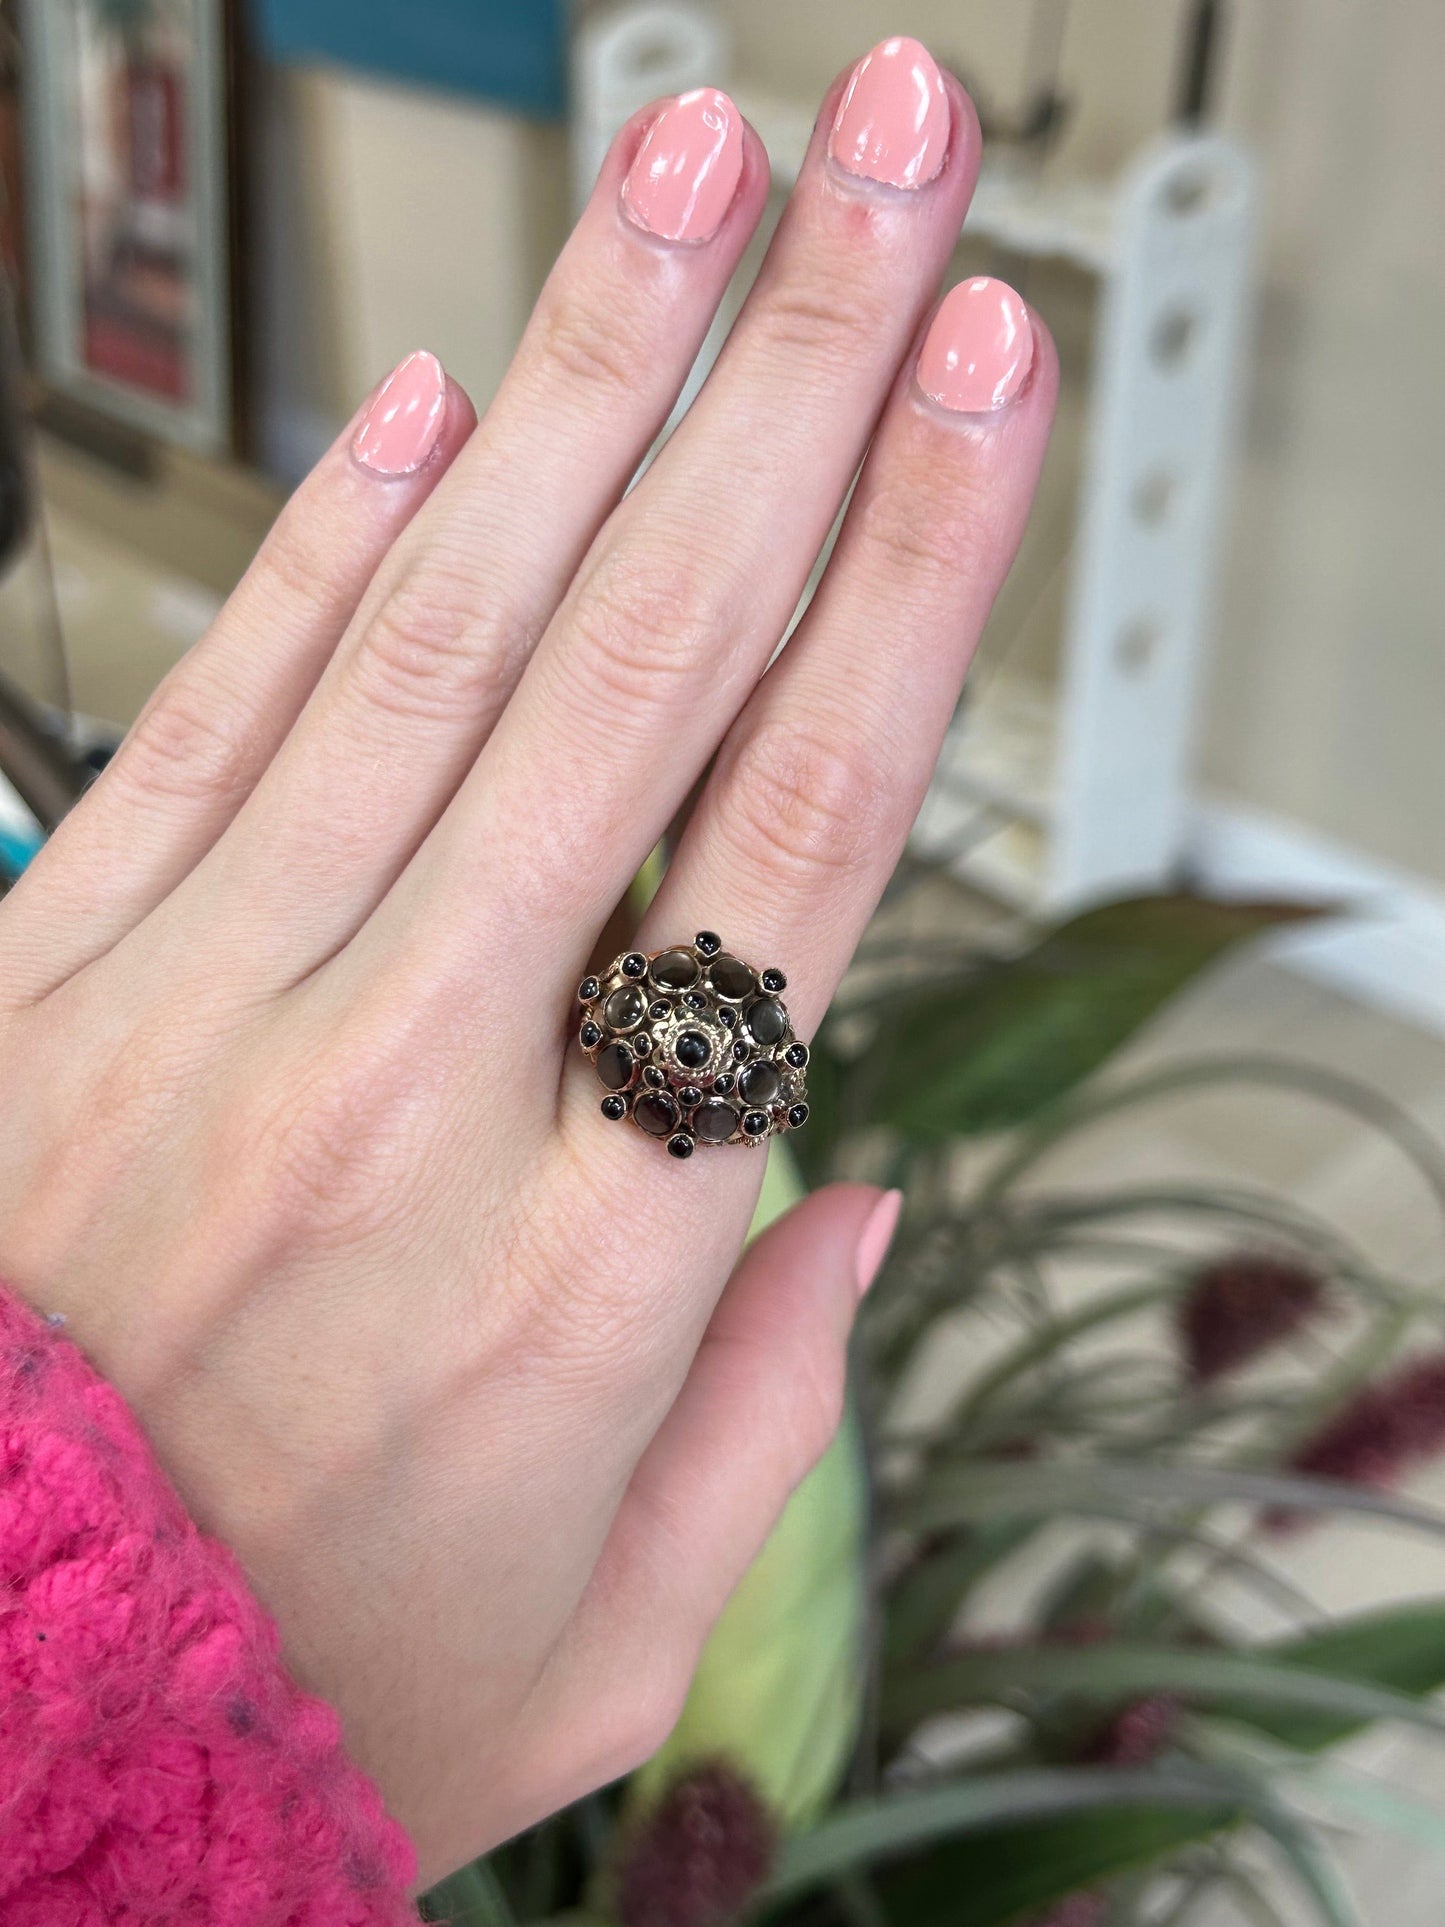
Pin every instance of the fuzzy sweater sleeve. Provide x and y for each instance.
(157, 1764)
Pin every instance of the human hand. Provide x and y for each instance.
(295, 1135)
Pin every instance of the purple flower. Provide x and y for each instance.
(699, 1855)
(1239, 1305)
(1137, 1735)
(1385, 1430)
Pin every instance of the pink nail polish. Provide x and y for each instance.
(978, 352)
(403, 423)
(893, 121)
(687, 169)
(877, 1235)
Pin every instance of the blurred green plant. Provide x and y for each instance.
(1155, 1383)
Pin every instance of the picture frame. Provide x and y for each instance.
(129, 203)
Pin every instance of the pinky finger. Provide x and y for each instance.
(757, 1411)
(203, 740)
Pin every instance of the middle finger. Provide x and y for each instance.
(684, 595)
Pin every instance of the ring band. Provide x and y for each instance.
(695, 1046)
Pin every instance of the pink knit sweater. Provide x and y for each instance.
(157, 1764)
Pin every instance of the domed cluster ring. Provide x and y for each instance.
(695, 1046)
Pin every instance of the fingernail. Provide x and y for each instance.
(687, 169)
(877, 1235)
(893, 121)
(978, 352)
(403, 423)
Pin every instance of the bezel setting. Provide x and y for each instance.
(692, 1047)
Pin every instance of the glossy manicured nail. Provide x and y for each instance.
(877, 1235)
(403, 423)
(893, 121)
(978, 352)
(687, 169)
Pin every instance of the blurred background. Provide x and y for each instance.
(1215, 677)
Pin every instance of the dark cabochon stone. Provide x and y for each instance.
(767, 1020)
(731, 979)
(656, 1113)
(614, 1067)
(715, 1121)
(759, 1084)
(692, 1050)
(625, 1007)
(675, 970)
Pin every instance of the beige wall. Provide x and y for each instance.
(410, 219)
(1329, 683)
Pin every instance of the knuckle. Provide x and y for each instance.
(644, 624)
(287, 567)
(327, 1148)
(592, 346)
(424, 651)
(190, 744)
(919, 531)
(799, 801)
(814, 315)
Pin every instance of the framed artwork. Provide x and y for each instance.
(128, 193)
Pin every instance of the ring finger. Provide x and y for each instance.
(819, 780)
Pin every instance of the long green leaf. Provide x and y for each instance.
(1126, 1490)
(992, 1051)
(1027, 1809)
(1008, 1873)
(1401, 1648)
(926, 1598)
(1121, 1669)
(1360, 1100)
(1036, 1346)
(871, 1832)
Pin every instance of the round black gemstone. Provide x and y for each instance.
(634, 964)
(774, 980)
(767, 1020)
(715, 1121)
(708, 942)
(590, 1035)
(675, 970)
(588, 989)
(655, 1076)
(730, 979)
(741, 1049)
(695, 1000)
(680, 1146)
(797, 1114)
(614, 1107)
(755, 1123)
(796, 1055)
(642, 1044)
(689, 1095)
(656, 1113)
(624, 1008)
(692, 1050)
(659, 1010)
(727, 1017)
(722, 1085)
(614, 1067)
(759, 1083)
